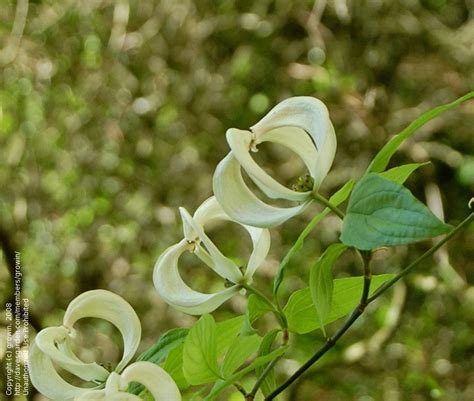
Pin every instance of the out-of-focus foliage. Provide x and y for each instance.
(113, 114)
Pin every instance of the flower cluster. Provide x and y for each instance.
(302, 125)
(53, 347)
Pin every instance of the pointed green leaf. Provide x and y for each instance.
(200, 352)
(174, 366)
(384, 213)
(380, 162)
(226, 332)
(256, 308)
(159, 351)
(167, 341)
(400, 174)
(240, 350)
(321, 281)
(301, 313)
(340, 196)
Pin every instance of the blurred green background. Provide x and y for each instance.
(113, 114)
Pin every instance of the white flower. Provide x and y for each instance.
(53, 346)
(166, 275)
(158, 383)
(301, 124)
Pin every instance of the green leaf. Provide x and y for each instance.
(200, 352)
(340, 196)
(174, 366)
(321, 281)
(239, 352)
(401, 173)
(158, 352)
(167, 341)
(383, 213)
(301, 313)
(262, 360)
(380, 162)
(226, 332)
(268, 383)
(256, 308)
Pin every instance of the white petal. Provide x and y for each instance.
(123, 397)
(298, 141)
(46, 380)
(311, 115)
(100, 395)
(159, 383)
(46, 341)
(240, 203)
(222, 265)
(94, 395)
(325, 157)
(261, 245)
(176, 292)
(113, 308)
(240, 143)
(209, 211)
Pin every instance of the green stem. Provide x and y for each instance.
(416, 262)
(275, 310)
(321, 199)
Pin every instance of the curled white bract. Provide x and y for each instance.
(52, 347)
(302, 125)
(156, 381)
(166, 276)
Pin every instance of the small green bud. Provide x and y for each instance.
(303, 184)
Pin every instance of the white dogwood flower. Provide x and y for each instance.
(52, 347)
(158, 383)
(302, 125)
(166, 275)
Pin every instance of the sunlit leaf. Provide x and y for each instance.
(226, 332)
(321, 281)
(301, 313)
(200, 352)
(239, 351)
(174, 366)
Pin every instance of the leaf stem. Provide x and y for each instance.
(366, 300)
(321, 199)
